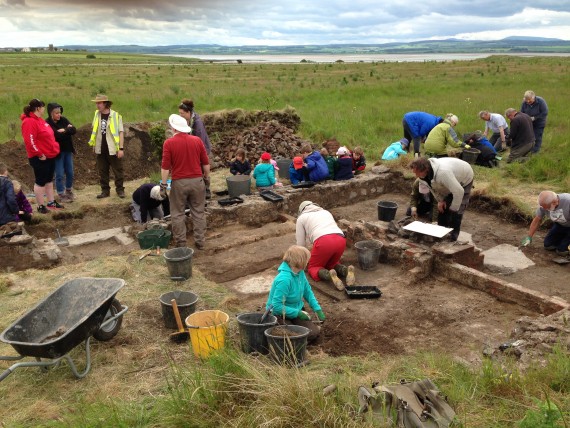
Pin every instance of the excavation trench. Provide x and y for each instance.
(431, 299)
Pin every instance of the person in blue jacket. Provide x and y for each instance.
(488, 155)
(315, 164)
(344, 164)
(417, 125)
(537, 109)
(297, 170)
(394, 150)
(289, 291)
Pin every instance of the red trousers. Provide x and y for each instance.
(326, 253)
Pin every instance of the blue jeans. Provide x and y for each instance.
(64, 166)
(558, 236)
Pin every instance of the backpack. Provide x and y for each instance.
(408, 404)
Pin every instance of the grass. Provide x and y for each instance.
(358, 103)
(140, 378)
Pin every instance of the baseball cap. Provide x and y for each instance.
(265, 156)
(298, 162)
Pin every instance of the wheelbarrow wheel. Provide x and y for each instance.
(110, 330)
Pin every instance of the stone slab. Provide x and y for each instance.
(124, 239)
(506, 259)
(91, 237)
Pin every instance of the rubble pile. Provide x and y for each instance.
(533, 339)
(271, 136)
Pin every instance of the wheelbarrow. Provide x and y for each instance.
(78, 309)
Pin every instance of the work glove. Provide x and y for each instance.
(207, 181)
(526, 241)
(321, 315)
(414, 212)
(302, 315)
(163, 187)
(467, 146)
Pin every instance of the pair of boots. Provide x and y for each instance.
(339, 271)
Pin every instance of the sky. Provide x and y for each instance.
(35, 23)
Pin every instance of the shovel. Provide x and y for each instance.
(265, 314)
(181, 335)
(167, 217)
(59, 241)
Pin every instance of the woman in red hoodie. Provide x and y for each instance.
(42, 150)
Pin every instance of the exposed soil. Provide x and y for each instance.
(434, 314)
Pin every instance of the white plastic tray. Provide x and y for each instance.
(428, 229)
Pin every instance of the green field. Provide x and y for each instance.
(358, 103)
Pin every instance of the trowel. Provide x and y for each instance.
(59, 241)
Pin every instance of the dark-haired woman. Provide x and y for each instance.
(186, 110)
(42, 149)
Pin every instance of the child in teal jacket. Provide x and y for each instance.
(264, 173)
(290, 287)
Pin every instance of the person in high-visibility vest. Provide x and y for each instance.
(107, 140)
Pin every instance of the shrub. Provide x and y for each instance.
(157, 135)
(90, 56)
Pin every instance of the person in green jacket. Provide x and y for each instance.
(290, 287)
(441, 136)
(331, 161)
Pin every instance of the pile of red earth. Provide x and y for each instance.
(271, 137)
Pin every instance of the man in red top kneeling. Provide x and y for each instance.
(185, 158)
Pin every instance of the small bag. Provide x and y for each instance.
(407, 405)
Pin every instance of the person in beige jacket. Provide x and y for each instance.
(450, 181)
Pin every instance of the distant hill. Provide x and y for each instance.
(509, 44)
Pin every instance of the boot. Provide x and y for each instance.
(336, 280)
(324, 274)
(456, 220)
(70, 195)
(350, 278)
(341, 270)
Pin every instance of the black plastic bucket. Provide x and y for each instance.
(252, 333)
(470, 155)
(283, 165)
(186, 302)
(368, 253)
(288, 348)
(179, 262)
(238, 185)
(387, 210)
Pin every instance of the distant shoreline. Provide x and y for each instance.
(352, 58)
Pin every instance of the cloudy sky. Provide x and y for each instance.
(269, 22)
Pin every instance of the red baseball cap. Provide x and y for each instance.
(265, 156)
(298, 162)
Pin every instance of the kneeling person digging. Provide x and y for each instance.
(317, 226)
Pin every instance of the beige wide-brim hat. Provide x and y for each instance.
(101, 98)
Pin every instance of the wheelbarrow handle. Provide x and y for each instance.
(114, 317)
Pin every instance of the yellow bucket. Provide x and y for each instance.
(211, 333)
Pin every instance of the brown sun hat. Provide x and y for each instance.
(101, 98)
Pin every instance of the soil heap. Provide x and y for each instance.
(256, 132)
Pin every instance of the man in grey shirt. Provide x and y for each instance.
(557, 207)
(498, 126)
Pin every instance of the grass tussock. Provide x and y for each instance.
(234, 390)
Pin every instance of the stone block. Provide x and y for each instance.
(465, 254)
(123, 239)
